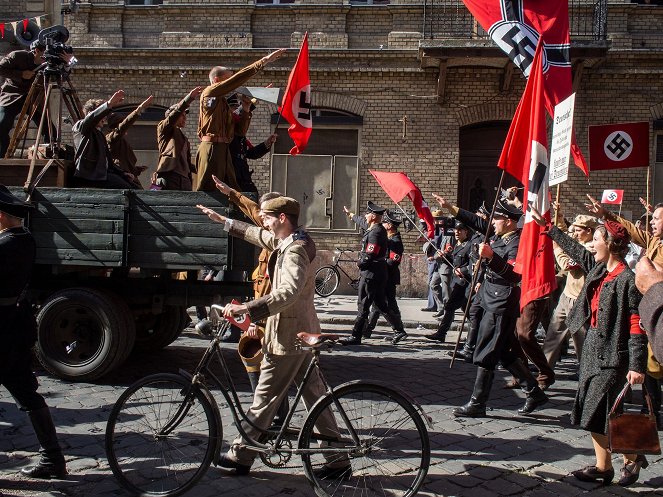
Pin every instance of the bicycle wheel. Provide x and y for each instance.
(159, 442)
(393, 455)
(327, 279)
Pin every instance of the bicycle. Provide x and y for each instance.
(165, 430)
(327, 278)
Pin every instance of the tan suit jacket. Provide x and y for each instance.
(174, 147)
(289, 307)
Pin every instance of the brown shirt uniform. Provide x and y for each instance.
(216, 130)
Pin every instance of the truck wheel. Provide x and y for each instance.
(154, 332)
(83, 333)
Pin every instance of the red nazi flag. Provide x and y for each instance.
(612, 197)
(619, 146)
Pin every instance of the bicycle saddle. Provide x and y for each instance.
(314, 339)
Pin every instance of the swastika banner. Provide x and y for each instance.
(614, 197)
(619, 146)
(296, 104)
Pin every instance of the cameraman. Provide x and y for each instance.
(19, 70)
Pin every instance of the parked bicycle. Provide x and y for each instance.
(166, 429)
(327, 278)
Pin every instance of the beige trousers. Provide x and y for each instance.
(558, 332)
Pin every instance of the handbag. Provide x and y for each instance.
(630, 433)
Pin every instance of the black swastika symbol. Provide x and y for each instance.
(522, 51)
(619, 145)
(304, 106)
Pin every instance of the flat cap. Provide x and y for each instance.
(505, 209)
(278, 205)
(12, 205)
(585, 221)
(392, 218)
(438, 214)
(374, 208)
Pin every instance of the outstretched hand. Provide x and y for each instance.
(116, 99)
(212, 214)
(536, 215)
(273, 56)
(442, 201)
(195, 92)
(221, 186)
(595, 207)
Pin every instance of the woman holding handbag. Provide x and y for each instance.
(615, 348)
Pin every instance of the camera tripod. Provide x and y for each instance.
(52, 79)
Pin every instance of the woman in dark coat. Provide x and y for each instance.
(616, 347)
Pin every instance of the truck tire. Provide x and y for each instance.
(154, 332)
(83, 333)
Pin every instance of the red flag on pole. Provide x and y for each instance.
(399, 186)
(296, 104)
(2, 30)
(516, 26)
(614, 197)
(525, 157)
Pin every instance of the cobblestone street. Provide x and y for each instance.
(503, 454)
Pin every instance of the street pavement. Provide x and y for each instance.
(503, 454)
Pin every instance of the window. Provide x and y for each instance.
(324, 178)
(273, 2)
(144, 2)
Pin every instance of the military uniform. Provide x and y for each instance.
(373, 278)
(460, 286)
(394, 256)
(18, 331)
(216, 130)
(500, 301)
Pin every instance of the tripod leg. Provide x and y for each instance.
(21, 127)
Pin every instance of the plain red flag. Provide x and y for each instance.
(516, 26)
(296, 104)
(525, 157)
(399, 186)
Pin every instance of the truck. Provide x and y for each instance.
(116, 270)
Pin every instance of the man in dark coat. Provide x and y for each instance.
(460, 283)
(395, 249)
(18, 331)
(500, 299)
(95, 167)
(19, 70)
(373, 275)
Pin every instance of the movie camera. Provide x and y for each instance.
(54, 39)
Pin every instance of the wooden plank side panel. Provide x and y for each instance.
(100, 258)
(167, 230)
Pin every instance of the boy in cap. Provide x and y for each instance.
(289, 309)
(373, 274)
(175, 168)
(19, 333)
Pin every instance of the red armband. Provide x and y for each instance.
(635, 328)
(372, 248)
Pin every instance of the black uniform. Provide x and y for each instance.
(394, 256)
(18, 332)
(460, 286)
(373, 277)
(500, 297)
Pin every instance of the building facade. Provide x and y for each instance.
(399, 85)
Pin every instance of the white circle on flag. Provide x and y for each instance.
(612, 196)
(240, 319)
(301, 106)
(618, 145)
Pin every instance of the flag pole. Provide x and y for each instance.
(557, 202)
(475, 274)
(646, 228)
(416, 225)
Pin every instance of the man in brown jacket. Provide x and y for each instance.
(289, 309)
(175, 167)
(121, 150)
(216, 128)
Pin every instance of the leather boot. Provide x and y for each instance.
(476, 407)
(371, 323)
(535, 396)
(51, 463)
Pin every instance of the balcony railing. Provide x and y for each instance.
(450, 19)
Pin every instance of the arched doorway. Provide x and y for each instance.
(479, 176)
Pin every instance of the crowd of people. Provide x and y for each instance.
(610, 276)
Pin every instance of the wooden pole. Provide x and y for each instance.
(557, 202)
(646, 227)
